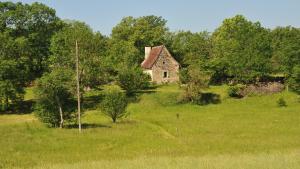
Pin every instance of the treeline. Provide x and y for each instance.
(38, 48)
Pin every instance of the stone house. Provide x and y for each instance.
(160, 65)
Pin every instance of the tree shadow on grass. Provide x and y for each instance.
(136, 97)
(91, 102)
(87, 126)
(25, 107)
(209, 98)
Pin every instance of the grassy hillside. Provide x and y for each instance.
(237, 133)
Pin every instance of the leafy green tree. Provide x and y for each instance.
(188, 47)
(13, 70)
(242, 49)
(140, 32)
(11, 87)
(35, 23)
(54, 97)
(286, 49)
(92, 51)
(294, 79)
(114, 104)
(132, 80)
(123, 54)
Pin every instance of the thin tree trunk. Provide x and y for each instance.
(61, 124)
(61, 117)
(78, 87)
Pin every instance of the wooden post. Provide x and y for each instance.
(78, 87)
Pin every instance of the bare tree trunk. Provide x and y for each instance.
(78, 87)
(61, 124)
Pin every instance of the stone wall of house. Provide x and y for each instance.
(165, 63)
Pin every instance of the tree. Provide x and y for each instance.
(191, 50)
(114, 104)
(242, 49)
(132, 80)
(123, 54)
(294, 79)
(54, 97)
(13, 70)
(188, 47)
(11, 88)
(92, 48)
(35, 23)
(286, 49)
(140, 32)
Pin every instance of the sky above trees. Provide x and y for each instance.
(194, 15)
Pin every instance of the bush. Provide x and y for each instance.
(281, 102)
(195, 95)
(133, 80)
(192, 93)
(114, 104)
(235, 91)
(196, 79)
(54, 97)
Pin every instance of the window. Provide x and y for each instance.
(165, 74)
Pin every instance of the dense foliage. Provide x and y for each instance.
(92, 48)
(34, 25)
(242, 49)
(114, 104)
(294, 80)
(54, 95)
(132, 80)
(286, 49)
(13, 70)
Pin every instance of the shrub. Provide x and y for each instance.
(114, 104)
(281, 102)
(192, 93)
(54, 97)
(197, 80)
(133, 80)
(195, 95)
(235, 91)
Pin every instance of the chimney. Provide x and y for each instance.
(147, 51)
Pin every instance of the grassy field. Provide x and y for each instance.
(246, 133)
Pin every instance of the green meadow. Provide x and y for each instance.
(247, 133)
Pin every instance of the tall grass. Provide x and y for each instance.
(244, 161)
(245, 133)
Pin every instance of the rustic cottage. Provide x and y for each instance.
(160, 65)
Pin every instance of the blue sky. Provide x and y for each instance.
(193, 15)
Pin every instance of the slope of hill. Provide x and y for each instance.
(159, 133)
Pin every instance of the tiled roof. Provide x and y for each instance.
(154, 54)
